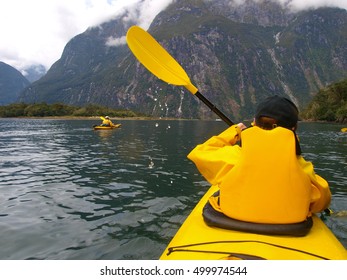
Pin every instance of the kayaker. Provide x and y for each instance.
(107, 122)
(263, 178)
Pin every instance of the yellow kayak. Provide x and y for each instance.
(100, 127)
(344, 129)
(195, 240)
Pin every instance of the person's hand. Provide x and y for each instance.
(241, 126)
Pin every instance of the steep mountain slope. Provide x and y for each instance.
(235, 55)
(12, 82)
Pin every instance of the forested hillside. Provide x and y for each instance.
(329, 104)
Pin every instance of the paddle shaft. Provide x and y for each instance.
(213, 108)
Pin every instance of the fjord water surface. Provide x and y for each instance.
(69, 192)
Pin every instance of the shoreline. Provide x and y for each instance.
(98, 118)
(148, 119)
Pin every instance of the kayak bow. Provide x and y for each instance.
(195, 240)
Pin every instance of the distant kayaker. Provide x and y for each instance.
(107, 122)
(264, 178)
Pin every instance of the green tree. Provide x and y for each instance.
(329, 104)
(37, 110)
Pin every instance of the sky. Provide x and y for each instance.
(35, 32)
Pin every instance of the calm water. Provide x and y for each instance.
(68, 192)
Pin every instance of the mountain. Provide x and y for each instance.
(12, 82)
(34, 72)
(235, 54)
(82, 74)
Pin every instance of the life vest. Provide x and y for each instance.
(267, 184)
(106, 122)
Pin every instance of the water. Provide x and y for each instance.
(68, 192)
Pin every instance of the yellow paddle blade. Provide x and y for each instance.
(102, 118)
(156, 59)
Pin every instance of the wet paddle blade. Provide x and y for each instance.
(156, 59)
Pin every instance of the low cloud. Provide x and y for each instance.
(298, 5)
(115, 42)
(142, 13)
(36, 31)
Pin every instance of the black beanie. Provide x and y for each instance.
(280, 109)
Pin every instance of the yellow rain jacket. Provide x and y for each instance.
(264, 181)
(106, 122)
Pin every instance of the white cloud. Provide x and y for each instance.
(143, 13)
(114, 42)
(303, 4)
(307, 4)
(149, 9)
(36, 31)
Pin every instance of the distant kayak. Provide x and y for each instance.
(344, 129)
(100, 127)
(196, 240)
